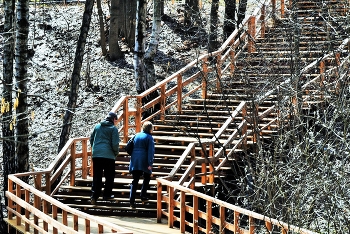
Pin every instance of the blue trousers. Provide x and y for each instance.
(102, 167)
(136, 177)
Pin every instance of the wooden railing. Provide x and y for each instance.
(196, 77)
(32, 209)
(205, 211)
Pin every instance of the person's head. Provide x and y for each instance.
(111, 117)
(147, 127)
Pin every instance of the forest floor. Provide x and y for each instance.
(54, 30)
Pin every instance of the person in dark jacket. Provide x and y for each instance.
(104, 141)
(141, 162)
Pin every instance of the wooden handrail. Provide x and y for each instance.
(182, 207)
(15, 196)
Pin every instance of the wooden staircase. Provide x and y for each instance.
(256, 73)
(239, 107)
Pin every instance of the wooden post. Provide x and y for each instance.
(75, 222)
(219, 71)
(193, 172)
(162, 101)
(87, 226)
(27, 199)
(18, 207)
(251, 225)
(211, 167)
(235, 222)
(126, 119)
(159, 202)
(47, 183)
(204, 166)
(204, 77)
(262, 19)
(273, 5)
(54, 216)
(245, 127)
(182, 212)
(72, 164)
(209, 215)
(232, 61)
(282, 8)
(84, 159)
(64, 217)
(268, 226)
(195, 214)
(37, 201)
(45, 210)
(138, 113)
(171, 207)
(251, 34)
(179, 93)
(222, 220)
(37, 182)
(10, 202)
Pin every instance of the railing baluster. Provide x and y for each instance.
(54, 216)
(218, 72)
(27, 199)
(72, 164)
(18, 207)
(236, 221)
(204, 77)
(209, 212)
(126, 119)
(163, 101)
(159, 202)
(182, 212)
(171, 207)
(87, 226)
(75, 222)
(179, 93)
(195, 214)
(251, 225)
(84, 159)
(251, 34)
(222, 220)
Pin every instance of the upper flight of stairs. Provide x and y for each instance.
(256, 73)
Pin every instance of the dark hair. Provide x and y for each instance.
(111, 116)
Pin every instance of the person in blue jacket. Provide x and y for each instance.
(104, 141)
(141, 162)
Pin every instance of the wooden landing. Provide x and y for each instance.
(133, 225)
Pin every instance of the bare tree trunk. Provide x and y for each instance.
(191, 12)
(8, 146)
(22, 128)
(140, 40)
(242, 9)
(102, 28)
(153, 44)
(130, 22)
(212, 45)
(230, 18)
(73, 95)
(152, 51)
(117, 15)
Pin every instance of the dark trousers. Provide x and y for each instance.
(136, 177)
(106, 167)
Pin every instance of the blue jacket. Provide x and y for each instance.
(104, 140)
(143, 153)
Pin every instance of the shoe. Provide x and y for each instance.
(108, 197)
(132, 206)
(144, 199)
(93, 201)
